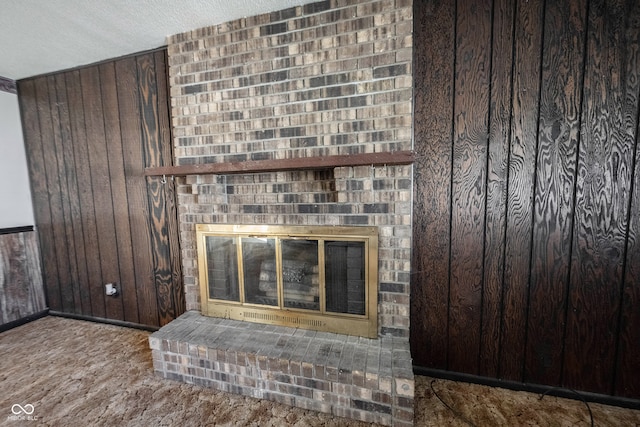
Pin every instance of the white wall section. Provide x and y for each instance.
(16, 209)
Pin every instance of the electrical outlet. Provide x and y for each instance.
(111, 290)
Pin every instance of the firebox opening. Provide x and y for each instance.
(321, 278)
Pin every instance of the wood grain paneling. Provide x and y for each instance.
(99, 189)
(605, 165)
(433, 103)
(57, 181)
(54, 198)
(470, 141)
(497, 174)
(522, 161)
(69, 188)
(542, 217)
(130, 122)
(21, 289)
(154, 156)
(90, 133)
(85, 232)
(41, 208)
(122, 235)
(170, 197)
(628, 351)
(558, 137)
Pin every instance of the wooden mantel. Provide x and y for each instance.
(277, 165)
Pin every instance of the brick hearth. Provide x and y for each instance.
(360, 378)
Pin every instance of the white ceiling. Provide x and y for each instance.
(42, 36)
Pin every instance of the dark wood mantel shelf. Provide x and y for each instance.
(277, 165)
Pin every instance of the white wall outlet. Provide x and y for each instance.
(111, 290)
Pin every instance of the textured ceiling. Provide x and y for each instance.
(42, 36)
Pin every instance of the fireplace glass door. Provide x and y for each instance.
(259, 270)
(322, 278)
(222, 268)
(345, 277)
(300, 274)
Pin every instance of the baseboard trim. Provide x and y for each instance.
(15, 230)
(22, 321)
(103, 320)
(532, 388)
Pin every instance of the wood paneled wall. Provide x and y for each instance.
(21, 290)
(526, 261)
(89, 134)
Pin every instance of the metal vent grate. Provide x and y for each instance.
(283, 319)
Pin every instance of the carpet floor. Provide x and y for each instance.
(63, 372)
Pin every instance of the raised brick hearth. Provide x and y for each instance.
(361, 378)
(329, 78)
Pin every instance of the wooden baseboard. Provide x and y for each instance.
(103, 320)
(14, 230)
(19, 322)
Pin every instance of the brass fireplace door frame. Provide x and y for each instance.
(350, 324)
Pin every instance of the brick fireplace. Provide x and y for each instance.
(327, 79)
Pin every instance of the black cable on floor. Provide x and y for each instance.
(579, 396)
(456, 413)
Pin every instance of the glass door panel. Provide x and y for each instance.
(222, 268)
(300, 274)
(345, 277)
(260, 270)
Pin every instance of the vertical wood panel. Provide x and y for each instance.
(33, 271)
(470, 139)
(53, 193)
(605, 165)
(495, 222)
(558, 137)
(130, 123)
(73, 217)
(41, 209)
(627, 378)
(434, 24)
(85, 233)
(94, 179)
(21, 290)
(166, 145)
(522, 160)
(101, 183)
(126, 284)
(155, 188)
(60, 128)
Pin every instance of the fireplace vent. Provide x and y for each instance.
(321, 278)
(283, 319)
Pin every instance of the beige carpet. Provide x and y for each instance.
(76, 373)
